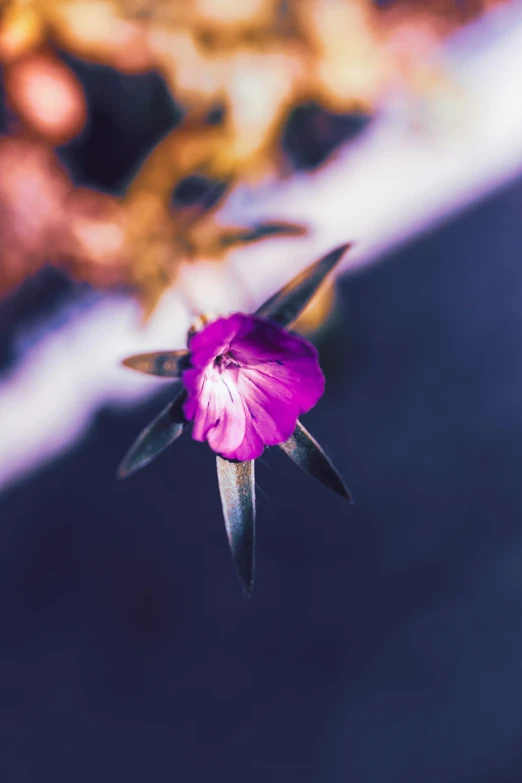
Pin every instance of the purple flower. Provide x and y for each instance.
(248, 383)
(245, 382)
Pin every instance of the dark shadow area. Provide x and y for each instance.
(312, 134)
(128, 115)
(382, 642)
(198, 191)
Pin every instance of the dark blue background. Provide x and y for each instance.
(382, 642)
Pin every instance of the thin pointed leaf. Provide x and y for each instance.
(166, 364)
(237, 489)
(262, 231)
(307, 453)
(155, 438)
(286, 305)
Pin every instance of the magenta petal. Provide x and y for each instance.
(249, 382)
(213, 339)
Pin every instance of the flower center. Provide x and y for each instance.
(223, 361)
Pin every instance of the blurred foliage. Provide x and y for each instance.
(252, 77)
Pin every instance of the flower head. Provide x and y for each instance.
(245, 382)
(248, 383)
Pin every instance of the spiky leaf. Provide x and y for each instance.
(304, 450)
(165, 364)
(286, 305)
(155, 438)
(237, 488)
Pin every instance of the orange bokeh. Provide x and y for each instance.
(256, 59)
(33, 188)
(47, 96)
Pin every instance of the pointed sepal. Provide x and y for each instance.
(237, 489)
(155, 438)
(286, 305)
(304, 450)
(165, 364)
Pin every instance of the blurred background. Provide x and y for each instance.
(162, 158)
